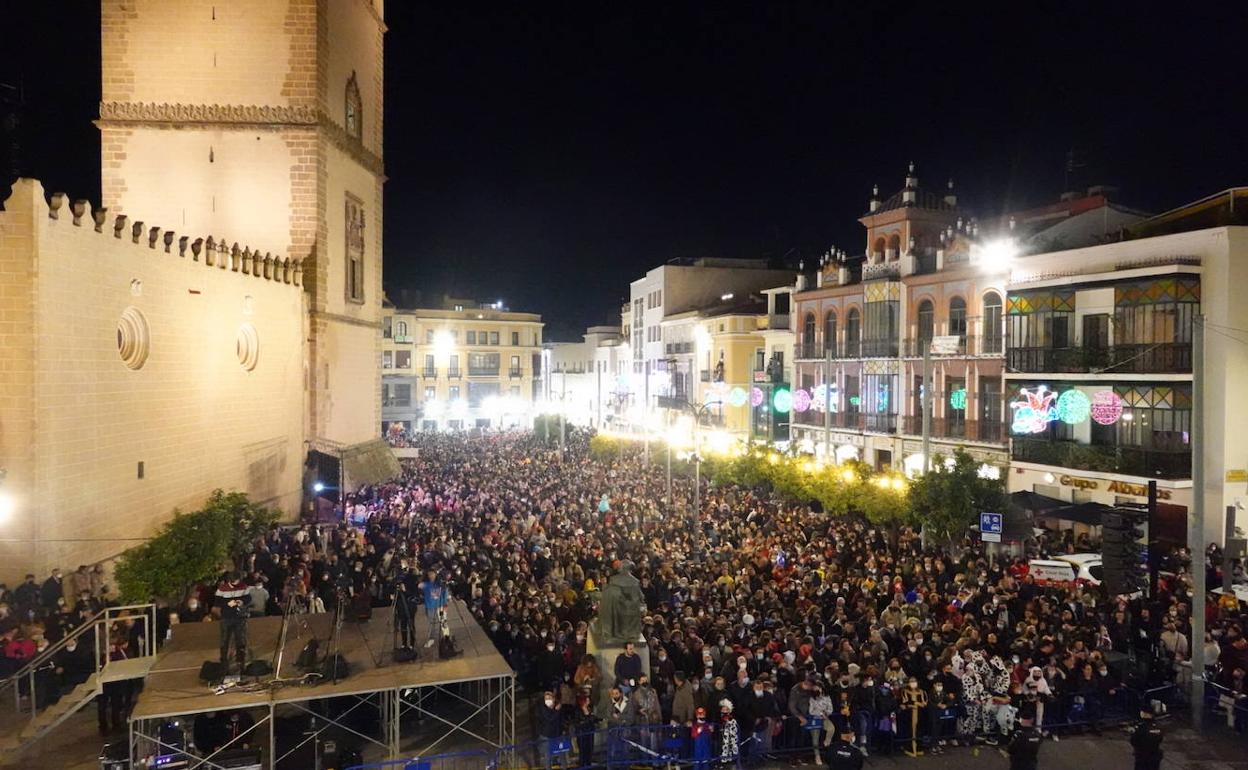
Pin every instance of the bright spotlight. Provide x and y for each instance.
(443, 342)
(8, 506)
(998, 253)
(318, 487)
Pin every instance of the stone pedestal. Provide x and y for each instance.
(606, 654)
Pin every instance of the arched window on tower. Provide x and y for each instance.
(894, 247)
(808, 335)
(877, 251)
(829, 332)
(354, 109)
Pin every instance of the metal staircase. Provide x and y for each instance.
(31, 720)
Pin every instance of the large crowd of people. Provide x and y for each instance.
(758, 610)
(768, 628)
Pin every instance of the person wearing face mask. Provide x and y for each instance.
(647, 709)
(73, 664)
(550, 727)
(863, 700)
(661, 670)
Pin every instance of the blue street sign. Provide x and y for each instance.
(990, 523)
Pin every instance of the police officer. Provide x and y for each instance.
(843, 754)
(1146, 737)
(1024, 747)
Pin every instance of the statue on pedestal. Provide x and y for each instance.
(619, 608)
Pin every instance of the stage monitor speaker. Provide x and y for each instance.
(404, 655)
(210, 671)
(335, 667)
(308, 655)
(258, 667)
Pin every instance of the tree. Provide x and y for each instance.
(949, 498)
(192, 548)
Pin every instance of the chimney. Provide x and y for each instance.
(875, 198)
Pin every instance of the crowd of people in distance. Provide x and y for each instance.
(768, 628)
(759, 612)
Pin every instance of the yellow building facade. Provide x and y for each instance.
(462, 366)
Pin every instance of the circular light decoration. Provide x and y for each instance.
(801, 400)
(1106, 407)
(737, 396)
(957, 399)
(782, 401)
(1073, 407)
(756, 397)
(819, 398)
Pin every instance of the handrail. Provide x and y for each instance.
(100, 659)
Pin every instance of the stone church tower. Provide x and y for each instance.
(260, 121)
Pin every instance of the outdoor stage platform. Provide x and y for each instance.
(479, 679)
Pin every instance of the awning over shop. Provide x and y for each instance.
(370, 462)
(1082, 513)
(1034, 501)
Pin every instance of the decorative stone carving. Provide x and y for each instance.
(79, 207)
(55, 204)
(210, 251)
(182, 243)
(208, 113)
(99, 216)
(169, 240)
(119, 225)
(153, 235)
(136, 231)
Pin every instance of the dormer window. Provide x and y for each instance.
(354, 118)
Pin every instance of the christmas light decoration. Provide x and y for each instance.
(957, 399)
(1073, 407)
(801, 400)
(1034, 410)
(1106, 407)
(756, 396)
(855, 400)
(782, 401)
(737, 396)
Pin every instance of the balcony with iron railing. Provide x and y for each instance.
(430, 372)
(1154, 358)
(515, 372)
(879, 422)
(986, 431)
(454, 374)
(913, 347)
(482, 371)
(1159, 463)
(881, 348)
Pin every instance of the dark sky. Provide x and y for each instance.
(548, 154)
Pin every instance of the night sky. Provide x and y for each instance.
(548, 154)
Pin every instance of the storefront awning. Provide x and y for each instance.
(1082, 513)
(1034, 501)
(371, 462)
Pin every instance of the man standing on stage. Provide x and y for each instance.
(232, 601)
(435, 599)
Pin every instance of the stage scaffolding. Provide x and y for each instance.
(470, 698)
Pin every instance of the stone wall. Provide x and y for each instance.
(140, 370)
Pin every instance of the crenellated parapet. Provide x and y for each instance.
(211, 252)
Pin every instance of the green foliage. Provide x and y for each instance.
(947, 500)
(546, 427)
(192, 547)
(841, 489)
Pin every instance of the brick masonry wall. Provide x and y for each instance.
(192, 414)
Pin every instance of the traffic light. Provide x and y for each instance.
(1122, 557)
